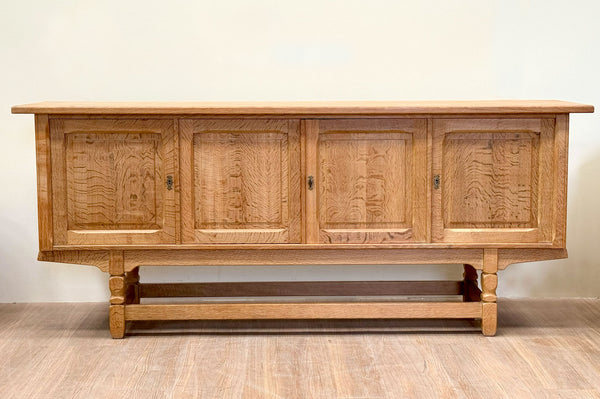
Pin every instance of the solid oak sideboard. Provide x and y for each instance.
(477, 183)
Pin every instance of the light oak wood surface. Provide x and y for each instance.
(108, 181)
(298, 256)
(274, 256)
(322, 310)
(370, 180)
(306, 107)
(44, 182)
(240, 181)
(495, 180)
(477, 183)
(544, 349)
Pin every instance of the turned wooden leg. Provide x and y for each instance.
(471, 292)
(133, 286)
(489, 283)
(118, 286)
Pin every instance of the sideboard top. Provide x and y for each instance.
(306, 108)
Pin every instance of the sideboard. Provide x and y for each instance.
(476, 183)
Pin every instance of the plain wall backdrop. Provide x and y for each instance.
(294, 50)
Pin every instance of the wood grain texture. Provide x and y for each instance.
(240, 196)
(489, 320)
(560, 168)
(490, 260)
(311, 222)
(301, 288)
(116, 265)
(491, 180)
(114, 181)
(506, 257)
(109, 181)
(177, 179)
(117, 286)
(545, 348)
(494, 182)
(44, 181)
(376, 256)
(97, 258)
(242, 180)
(116, 314)
(428, 204)
(371, 180)
(306, 107)
(509, 256)
(407, 245)
(324, 310)
(489, 283)
(303, 178)
(369, 235)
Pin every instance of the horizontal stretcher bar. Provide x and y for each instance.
(322, 310)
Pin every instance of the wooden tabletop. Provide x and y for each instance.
(307, 108)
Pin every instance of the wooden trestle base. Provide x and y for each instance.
(470, 307)
(477, 303)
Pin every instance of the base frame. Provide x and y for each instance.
(478, 287)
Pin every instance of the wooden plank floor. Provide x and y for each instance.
(544, 348)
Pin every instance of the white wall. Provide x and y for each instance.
(294, 50)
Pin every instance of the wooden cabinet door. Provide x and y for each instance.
(240, 180)
(370, 181)
(495, 180)
(108, 181)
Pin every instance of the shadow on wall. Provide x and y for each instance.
(579, 275)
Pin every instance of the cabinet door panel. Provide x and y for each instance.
(496, 180)
(108, 181)
(370, 182)
(241, 180)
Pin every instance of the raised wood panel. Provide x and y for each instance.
(114, 181)
(370, 180)
(109, 181)
(491, 179)
(364, 180)
(234, 185)
(241, 181)
(495, 180)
